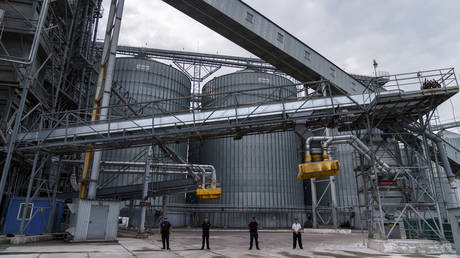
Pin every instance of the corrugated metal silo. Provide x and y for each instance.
(258, 172)
(147, 80)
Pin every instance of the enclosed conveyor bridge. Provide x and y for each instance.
(248, 28)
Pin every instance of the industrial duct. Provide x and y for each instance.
(354, 142)
(441, 149)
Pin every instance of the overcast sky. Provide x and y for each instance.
(402, 35)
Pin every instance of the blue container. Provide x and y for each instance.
(38, 221)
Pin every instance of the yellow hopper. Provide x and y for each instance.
(209, 193)
(318, 169)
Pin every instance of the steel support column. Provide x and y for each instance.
(314, 202)
(145, 189)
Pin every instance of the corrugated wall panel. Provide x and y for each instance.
(258, 173)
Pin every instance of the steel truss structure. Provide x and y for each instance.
(401, 100)
(62, 129)
(52, 70)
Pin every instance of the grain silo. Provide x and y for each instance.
(143, 80)
(257, 172)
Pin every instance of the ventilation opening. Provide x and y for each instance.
(332, 71)
(280, 37)
(249, 17)
(307, 55)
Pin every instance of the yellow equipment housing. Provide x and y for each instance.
(209, 193)
(318, 169)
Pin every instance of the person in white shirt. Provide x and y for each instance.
(296, 230)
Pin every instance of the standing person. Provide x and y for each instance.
(206, 225)
(253, 225)
(296, 228)
(165, 230)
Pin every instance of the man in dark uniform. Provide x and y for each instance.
(206, 225)
(165, 230)
(253, 225)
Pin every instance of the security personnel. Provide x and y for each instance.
(206, 225)
(253, 225)
(296, 228)
(165, 230)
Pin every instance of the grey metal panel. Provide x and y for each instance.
(246, 27)
(257, 171)
(97, 227)
(112, 220)
(452, 151)
(153, 217)
(346, 184)
(82, 219)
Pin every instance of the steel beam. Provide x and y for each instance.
(138, 132)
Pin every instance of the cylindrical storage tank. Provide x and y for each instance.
(143, 80)
(258, 173)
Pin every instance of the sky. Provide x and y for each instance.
(402, 35)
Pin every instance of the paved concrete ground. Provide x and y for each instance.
(223, 244)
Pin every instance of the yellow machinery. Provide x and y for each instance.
(209, 193)
(318, 168)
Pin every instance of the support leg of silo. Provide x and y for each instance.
(56, 171)
(314, 202)
(334, 202)
(145, 189)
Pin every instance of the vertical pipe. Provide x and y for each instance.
(329, 132)
(334, 201)
(314, 202)
(145, 189)
(106, 95)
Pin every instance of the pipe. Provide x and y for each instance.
(332, 182)
(73, 181)
(350, 139)
(314, 202)
(441, 149)
(145, 189)
(109, 68)
(200, 169)
(139, 171)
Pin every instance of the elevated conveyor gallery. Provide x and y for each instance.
(251, 30)
(285, 115)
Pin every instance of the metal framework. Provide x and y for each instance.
(56, 75)
(52, 127)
